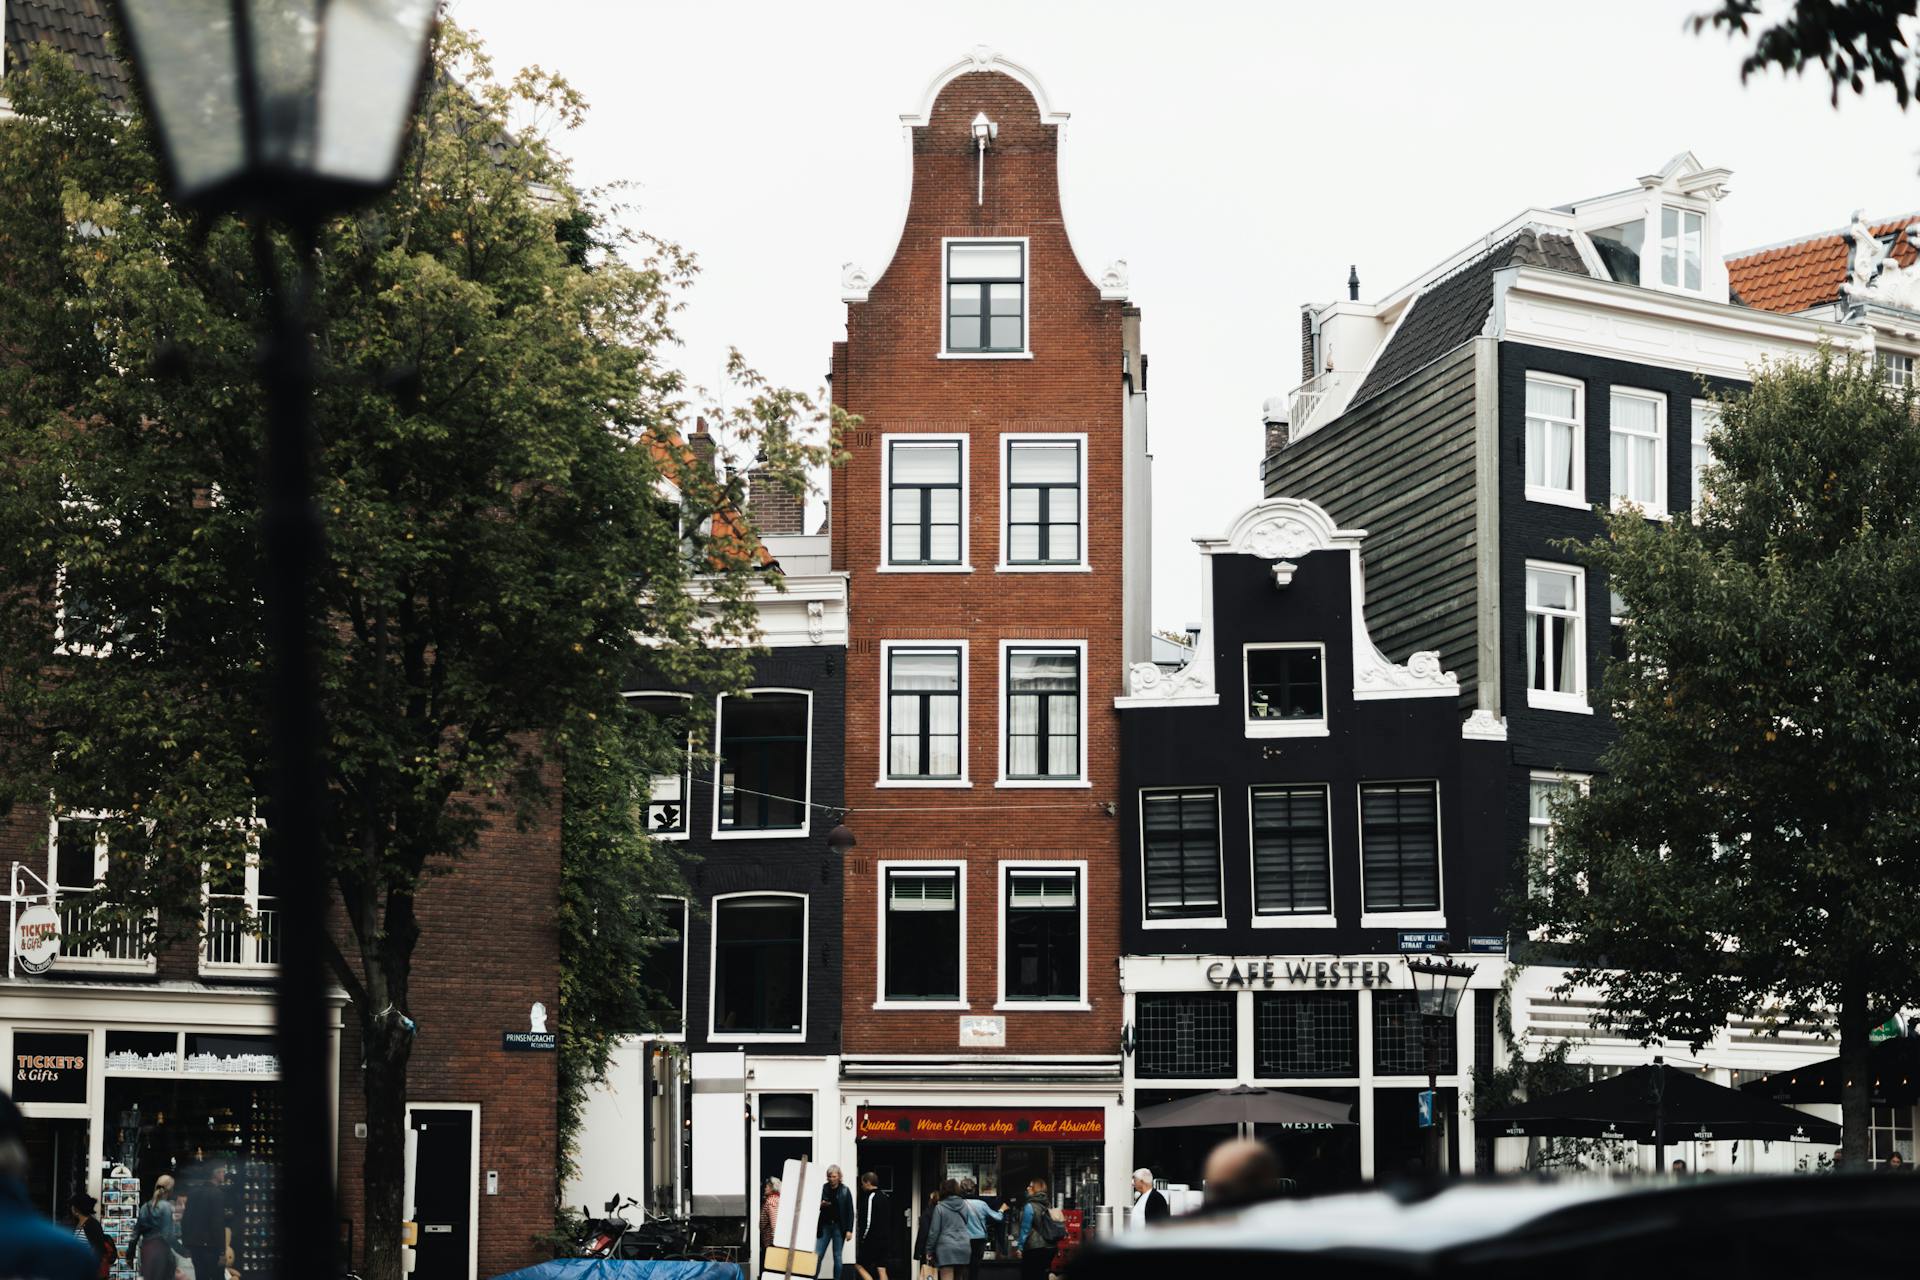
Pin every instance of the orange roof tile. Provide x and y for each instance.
(1806, 273)
(730, 533)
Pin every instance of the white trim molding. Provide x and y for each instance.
(717, 1035)
(1081, 776)
(884, 867)
(1080, 563)
(1082, 892)
(884, 776)
(718, 832)
(887, 442)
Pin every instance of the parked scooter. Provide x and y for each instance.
(601, 1237)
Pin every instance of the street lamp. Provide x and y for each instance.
(1438, 985)
(291, 110)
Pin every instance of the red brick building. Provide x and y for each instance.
(991, 517)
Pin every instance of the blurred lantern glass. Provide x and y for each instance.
(299, 104)
(1439, 985)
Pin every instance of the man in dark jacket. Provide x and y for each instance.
(835, 1230)
(31, 1247)
(206, 1228)
(1149, 1206)
(875, 1231)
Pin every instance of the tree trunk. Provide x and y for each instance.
(383, 1177)
(1856, 1082)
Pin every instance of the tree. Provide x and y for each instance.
(508, 508)
(1751, 848)
(1848, 39)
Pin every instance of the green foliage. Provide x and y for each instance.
(497, 443)
(1848, 39)
(1531, 1073)
(1750, 848)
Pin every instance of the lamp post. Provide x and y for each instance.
(288, 111)
(1439, 984)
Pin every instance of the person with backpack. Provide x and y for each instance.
(156, 1234)
(87, 1228)
(1042, 1228)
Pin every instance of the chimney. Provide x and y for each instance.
(1273, 415)
(774, 509)
(703, 445)
(1353, 283)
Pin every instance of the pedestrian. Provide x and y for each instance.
(1896, 1163)
(1040, 1232)
(206, 1224)
(874, 1213)
(29, 1244)
(978, 1211)
(1679, 1168)
(922, 1251)
(947, 1237)
(769, 1213)
(835, 1227)
(1149, 1205)
(1241, 1171)
(87, 1229)
(155, 1233)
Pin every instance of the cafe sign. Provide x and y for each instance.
(982, 1124)
(1232, 974)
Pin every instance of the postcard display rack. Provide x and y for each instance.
(119, 1203)
(255, 1217)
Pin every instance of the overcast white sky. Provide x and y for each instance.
(1239, 156)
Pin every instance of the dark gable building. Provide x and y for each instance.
(1296, 811)
(1484, 413)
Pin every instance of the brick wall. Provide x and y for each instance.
(888, 372)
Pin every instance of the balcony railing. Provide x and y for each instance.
(123, 944)
(1307, 405)
(228, 941)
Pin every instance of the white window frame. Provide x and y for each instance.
(887, 441)
(686, 767)
(60, 646)
(1898, 364)
(91, 961)
(1312, 920)
(1288, 728)
(1007, 565)
(718, 1034)
(1704, 418)
(1436, 919)
(1652, 264)
(880, 1000)
(1026, 299)
(1554, 700)
(250, 899)
(1220, 857)
(686, 967)
(719, 762)
(885, 779)
(1082, 780)
(1577, 496)
(1002, 1004)
(1657, 509)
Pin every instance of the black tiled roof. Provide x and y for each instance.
(78, 28)
(1454, 310)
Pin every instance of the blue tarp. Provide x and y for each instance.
(613, 1269)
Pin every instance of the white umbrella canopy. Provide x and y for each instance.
(1244, 1105)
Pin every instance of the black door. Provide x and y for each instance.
(443, 1193)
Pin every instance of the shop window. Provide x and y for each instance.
(1890, 1129)
(986, 296)
(924, 702)
(663, 974)
(1286, 690)
(1043, 713)
(241, 926)
(926, 502)
(1292, 853)
(78, 853)
(1043, 499)
(923, 934)
(1180, 845)
(1043, 928)
(1399, 1047)
(155, 1053)
(1400, 846)
(1186, 1036)
(763, 762)
(759, 965)
(668, 790)
(1306, 1034)
(221, 1054)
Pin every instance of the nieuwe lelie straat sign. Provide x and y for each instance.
(1269, 972)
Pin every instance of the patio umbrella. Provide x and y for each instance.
(1894, 1077)
(1655, 1104)
(1244, 1105)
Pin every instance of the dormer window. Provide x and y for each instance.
(986, 297)
(1682, 247)
(1619, 249)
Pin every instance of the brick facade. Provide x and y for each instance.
(889, 372)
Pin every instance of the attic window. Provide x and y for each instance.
(1619, 249)
(1682, 238)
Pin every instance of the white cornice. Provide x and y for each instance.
(856, 282)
